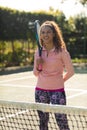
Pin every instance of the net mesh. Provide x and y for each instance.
(24, 116)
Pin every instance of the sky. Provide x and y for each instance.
(69, 7)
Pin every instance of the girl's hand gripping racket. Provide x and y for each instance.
(37, 31)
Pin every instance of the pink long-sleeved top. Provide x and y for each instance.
(52, 76)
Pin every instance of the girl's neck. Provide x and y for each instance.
(49, 47)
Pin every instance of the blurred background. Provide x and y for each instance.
(17, 36)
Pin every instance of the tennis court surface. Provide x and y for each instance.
(19, 87)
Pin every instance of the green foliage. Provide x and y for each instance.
(81, 60)
(84, 2)
(15, 58)
(2, 46)
(22, 54)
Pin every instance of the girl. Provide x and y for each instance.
(50, 84)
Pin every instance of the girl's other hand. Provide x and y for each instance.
(39, 63)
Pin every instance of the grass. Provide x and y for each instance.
(81, 60)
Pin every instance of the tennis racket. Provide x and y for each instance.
(37, 31)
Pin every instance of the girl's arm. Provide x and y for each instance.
(37, 61)
(67, 65)
(35, 71)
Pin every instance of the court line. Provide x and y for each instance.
(30, 86)
(16, 85)
(76, 95)
(21, 78)
(72, 89)
(81, 91)
(13, 115)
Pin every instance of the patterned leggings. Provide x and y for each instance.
(53, 97)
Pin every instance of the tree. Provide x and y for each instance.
(83, 2)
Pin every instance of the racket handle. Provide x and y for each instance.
(40, 67)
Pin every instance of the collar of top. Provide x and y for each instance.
(53, 49)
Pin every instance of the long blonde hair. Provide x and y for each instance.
(58, 38)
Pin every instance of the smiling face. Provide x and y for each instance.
(46, 35)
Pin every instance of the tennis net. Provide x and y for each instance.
(24, 116)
